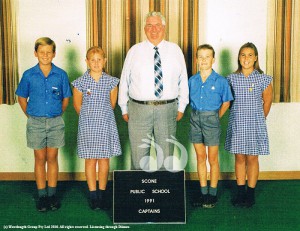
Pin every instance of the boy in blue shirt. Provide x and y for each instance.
(43, 94)
(210, 97)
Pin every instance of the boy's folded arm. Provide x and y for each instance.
(224, 108)
(65, 103)
(23, 104)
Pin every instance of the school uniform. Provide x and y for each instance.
(247, 129)
(206, 99)
(97, 130)
(45, 126)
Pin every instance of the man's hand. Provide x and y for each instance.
(179, 116)
(125, 117)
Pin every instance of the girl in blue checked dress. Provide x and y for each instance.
(247, 131)
(95, 96)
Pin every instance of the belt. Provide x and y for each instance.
(154, 102)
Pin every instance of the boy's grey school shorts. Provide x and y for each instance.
(205, 128)
(44, 132)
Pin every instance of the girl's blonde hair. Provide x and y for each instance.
(94, 50)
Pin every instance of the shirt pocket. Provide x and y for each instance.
(214, 96)
(56, 93)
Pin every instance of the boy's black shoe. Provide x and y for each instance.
(54, 203)
(209, 201)
(197, 200)
(94, 204)
(42, 204)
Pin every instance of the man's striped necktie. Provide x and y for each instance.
(158, 84)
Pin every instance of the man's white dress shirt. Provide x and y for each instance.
(137, 78)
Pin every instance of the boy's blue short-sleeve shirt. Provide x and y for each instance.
(45, 94)
(210, 95)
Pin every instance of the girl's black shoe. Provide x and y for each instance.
(104, 204)
(249, 202)
(250, 197)
(94, 204)
(240, 199)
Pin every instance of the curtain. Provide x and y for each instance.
(105, 28)
(295, 51)
(116, 25)
(283, 49)
(9, 76)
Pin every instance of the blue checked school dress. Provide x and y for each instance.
(247, 130)
(97, 130)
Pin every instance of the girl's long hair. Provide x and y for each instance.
(256, 64)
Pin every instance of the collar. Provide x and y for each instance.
(254, 72)
(211, 77)
(87, 74)
(54, 69)
(160, 45)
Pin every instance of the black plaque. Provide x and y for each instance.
(149, 197)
